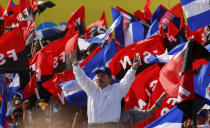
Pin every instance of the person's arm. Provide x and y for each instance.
(85, 83)
(129, 77)
(157, 104)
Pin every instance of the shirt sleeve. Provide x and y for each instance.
(85, 82)
(127, 80)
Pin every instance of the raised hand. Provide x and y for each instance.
(136, 62)
(73, 58)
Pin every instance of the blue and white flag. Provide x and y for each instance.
(74, 94)
(130, 30)
(3, 109)
(197, 13)
(103, 37)
(172, 119)
(14, 86)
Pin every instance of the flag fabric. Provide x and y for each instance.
(29, 90)
(202, 79)
(77, 19)
(103, 37)
(42, 5)
(100, 27)
(72, 44)
(172, 119)
(12, 45)
(14, 85)
(147, 11)
(122, 60)
(67, 75)
(197, 13)
(130, 30)
(73, 93)
(8, 10)
(178, 12)
(176, 76)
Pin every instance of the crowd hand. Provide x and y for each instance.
(152, 59)
(136, 62)
(25, 104)
(73, 58)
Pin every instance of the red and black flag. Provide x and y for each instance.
(77, 19)
(176, 76)
(122, 61)
(97, 27)
(12, 44)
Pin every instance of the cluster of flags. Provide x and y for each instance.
(169, 51)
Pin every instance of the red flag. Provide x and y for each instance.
(176, 76)
(146, 11)
(101, 23)
(140, 15)
(34, 5)
(122, 60)
(178, 12)
(67, 75)
(8, 9)
(72, 44)
(172, 32)
(29, 90)
(1, 11)
(77, 19)
(196, 35)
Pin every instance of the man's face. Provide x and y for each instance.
(103, 80)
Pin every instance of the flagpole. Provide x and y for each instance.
(42, 19)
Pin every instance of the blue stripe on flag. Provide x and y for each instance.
(184, 2)
(138, 31)
(172, 119)
(199, 21)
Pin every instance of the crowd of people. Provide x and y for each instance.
(105, 107)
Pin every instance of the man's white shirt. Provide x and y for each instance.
(104, 105)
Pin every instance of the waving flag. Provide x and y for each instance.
(130, 29)
(77, 19)
(8, 10)
(74, 94)
(197, 13)
(122, 60)
(172, 119)
(3, 109)
(103, 37)
(12, 46)
(176, 76)
(100, 27)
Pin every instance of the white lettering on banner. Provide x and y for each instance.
(55, 62)
(55, 59)
(126, 60)
(163, 111)
(21, 15)
(141, 103)
(146, 55)
(172, 39)
(61, 97)
(11, 54)
(172, 101)
(184, 92)
(153, 84)
(165, 22)
(2, 60)
(62, 56)
(25, 12)
(38, 74)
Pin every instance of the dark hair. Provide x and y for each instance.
(17, 110)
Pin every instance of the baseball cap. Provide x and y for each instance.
(104, 69)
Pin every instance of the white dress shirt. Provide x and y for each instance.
(104, 105)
